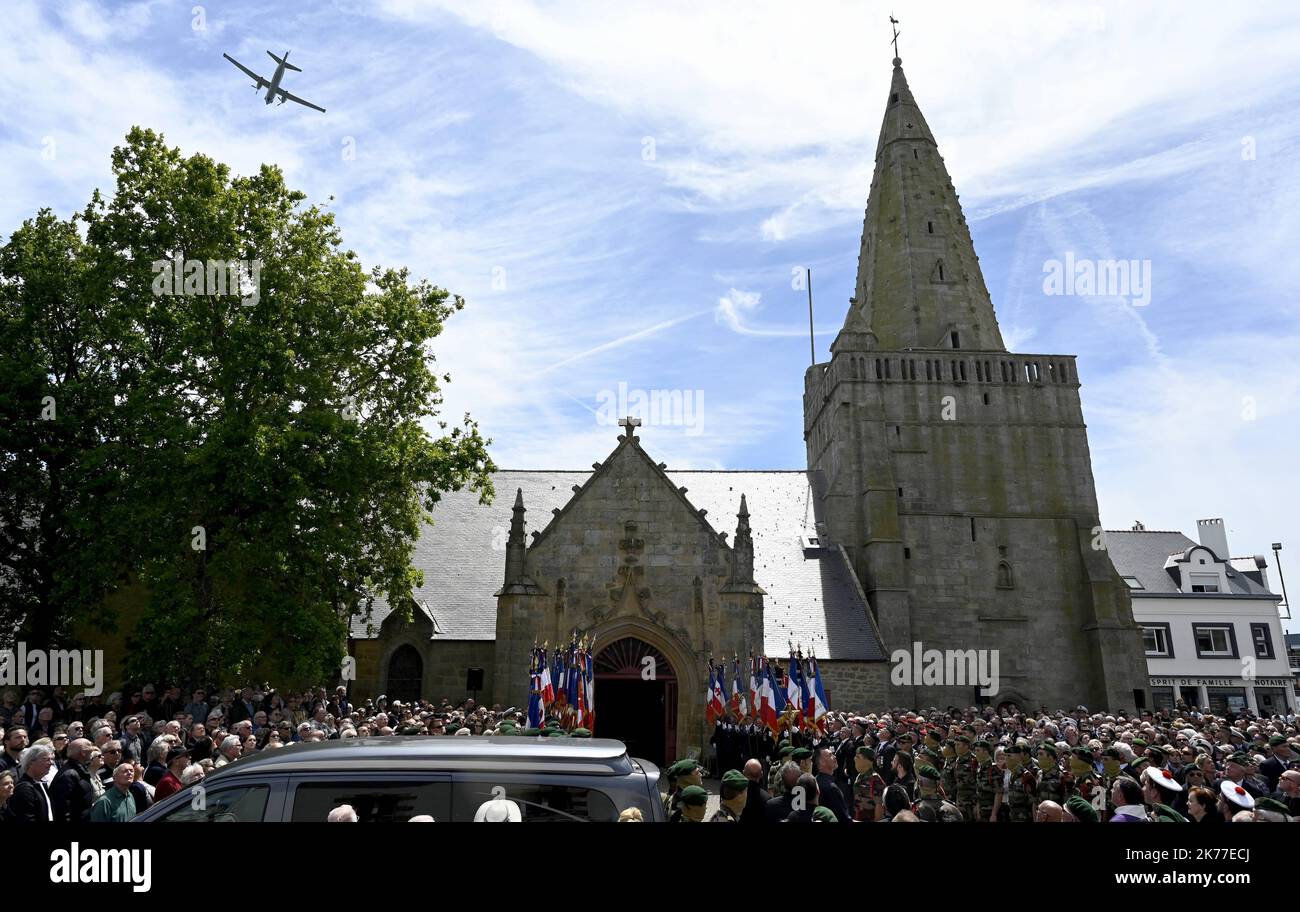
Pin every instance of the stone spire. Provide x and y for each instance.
(919, 283)
(517, 579)
(742, 552)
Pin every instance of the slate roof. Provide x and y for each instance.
(813, 597)
(1144, 554)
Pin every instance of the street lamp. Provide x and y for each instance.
(1277, 546)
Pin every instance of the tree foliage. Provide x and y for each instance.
(265, 454)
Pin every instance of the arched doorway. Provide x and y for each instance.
(405, 674)
(636, 699)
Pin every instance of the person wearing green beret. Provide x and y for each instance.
(823, 815)
(803, 757)
(680, 774)
(1270, 810)
(1163, 813)
(1081, 810)
(580, 733)
(732, 797)
(930, 805)
(692, 805)
(774, 785)
(868, 787)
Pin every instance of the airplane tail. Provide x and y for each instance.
(284, 62)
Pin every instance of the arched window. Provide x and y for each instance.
(1005, 578)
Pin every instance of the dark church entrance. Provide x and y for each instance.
(405, 674)
(636, 700)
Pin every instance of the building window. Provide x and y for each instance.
(1205, 582)
(1224, 700)
(1263, 641)
(1132, 582)
(1158, 643)
(930, 227)
(1215, 641)
(1005, 578)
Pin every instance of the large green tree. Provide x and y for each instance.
(275, 458)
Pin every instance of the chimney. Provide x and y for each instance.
(1214, 536)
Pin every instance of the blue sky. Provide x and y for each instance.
(622, 193)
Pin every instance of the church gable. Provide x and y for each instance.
(627, 523)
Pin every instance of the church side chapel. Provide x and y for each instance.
(948, 501)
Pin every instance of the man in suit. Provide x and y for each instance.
(779, 808)
(1279, 759)
(758, 797)
(828, 788)
(31, 802)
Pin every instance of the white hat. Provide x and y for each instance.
(498, 810)
(463, 732)
(1235, 794)
(1163, 778)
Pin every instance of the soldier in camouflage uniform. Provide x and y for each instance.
(1021, 786)
(1050, 786)
(932, 807)
(734, 793)
(965, 775)
(1112, 762)
(868, 787)
(988, 782)
(681, 774)
(948, 772)
(774, 785)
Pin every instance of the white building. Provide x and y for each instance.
(1211, 626)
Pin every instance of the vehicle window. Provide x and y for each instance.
(378, 802)
(538, 802)
(232, 805)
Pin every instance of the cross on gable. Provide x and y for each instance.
(631, 424)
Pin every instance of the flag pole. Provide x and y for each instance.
(812, 343)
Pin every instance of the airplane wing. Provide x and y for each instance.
(260, 81)
(285, 96)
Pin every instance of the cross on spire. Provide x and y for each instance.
(894, 25)
(631, 424)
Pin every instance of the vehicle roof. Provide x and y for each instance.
(591, 756)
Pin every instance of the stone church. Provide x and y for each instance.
(948, 501)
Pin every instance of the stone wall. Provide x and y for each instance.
(856, 686)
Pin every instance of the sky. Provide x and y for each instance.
(625, 195)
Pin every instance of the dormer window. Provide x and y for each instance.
(1205, 582)
(893, 99)
(956, 341)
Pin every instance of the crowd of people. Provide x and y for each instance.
(980, 765)
(74, 759)
(80, 760)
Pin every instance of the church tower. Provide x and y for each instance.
(956, 474)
